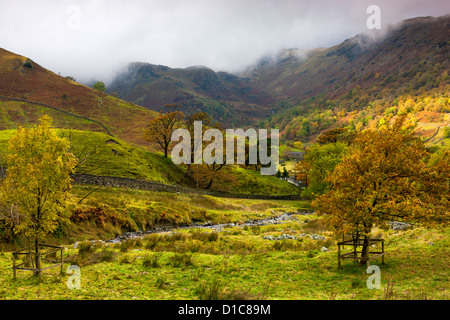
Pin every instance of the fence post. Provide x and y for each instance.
(339, 256)
(62, 260)
(14, 266)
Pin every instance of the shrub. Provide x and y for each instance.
(28, 64)
(92, 213)
(99, 86)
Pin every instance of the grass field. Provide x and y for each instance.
(237, 263)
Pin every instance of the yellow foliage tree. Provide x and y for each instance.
(38, 180)
(384, 177)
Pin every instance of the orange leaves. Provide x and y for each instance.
(160, 129)
(385, 177)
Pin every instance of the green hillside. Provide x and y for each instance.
(108, 156)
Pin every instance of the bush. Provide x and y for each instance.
(92, 213)
(99, 86)
(28, 64)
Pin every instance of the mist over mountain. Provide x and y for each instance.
(366, 59)
(405, 57)
(94, 39)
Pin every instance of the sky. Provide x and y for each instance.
(92, 40)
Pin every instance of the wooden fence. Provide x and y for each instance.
(355, 255)
(45, 257)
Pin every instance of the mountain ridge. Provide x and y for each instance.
(225, 96)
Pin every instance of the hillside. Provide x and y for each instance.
(408, 54)
(361, 77)
(228, 98)
(71, 104)
(101, 155)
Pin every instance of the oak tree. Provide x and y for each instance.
(160, 129)
(385, 176)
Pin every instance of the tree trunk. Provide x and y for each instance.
(365, 251)
(38, 259)
(188, 170)
(209, 184)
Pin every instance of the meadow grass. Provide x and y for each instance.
(237, 263)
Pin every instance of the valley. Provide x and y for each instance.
(364, 142)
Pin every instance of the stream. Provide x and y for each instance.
(288, 216)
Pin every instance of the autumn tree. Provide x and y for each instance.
(189, 122)
(38, 181)
(160, 129)
(385, 176)
(205, 173)
(336, 135)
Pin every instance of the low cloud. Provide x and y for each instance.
(94, 39)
